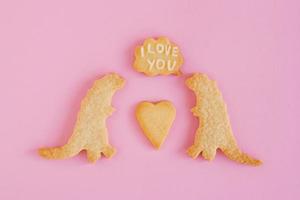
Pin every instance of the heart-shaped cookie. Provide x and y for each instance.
(155, 119)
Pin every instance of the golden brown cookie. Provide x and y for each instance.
(158, 57)
(90, 132)
(215, 130)
(155, 119)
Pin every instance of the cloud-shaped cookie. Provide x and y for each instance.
(158, 57)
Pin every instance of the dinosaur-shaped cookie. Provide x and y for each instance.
(90, 132)
(214, 131)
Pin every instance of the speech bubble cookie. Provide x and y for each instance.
(158, 57)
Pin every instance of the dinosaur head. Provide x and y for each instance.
(116, 81)
(111, 81)
(198, 82)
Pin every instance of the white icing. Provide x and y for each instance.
(142, 52)
(163, 52)
(175, 51)
(149, 50)
(168, 50)
(160, 64)
(151, 63)
(171, 68)
(160, 48)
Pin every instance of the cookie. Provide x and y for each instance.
(90, 132)
(158, 57)
(214, 131)
(155, 120)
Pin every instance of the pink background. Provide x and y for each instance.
(52, 51)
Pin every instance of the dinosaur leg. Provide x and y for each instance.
(108, 151)
(93, 155)
(195, 150)
(203, 144)
(209, 153)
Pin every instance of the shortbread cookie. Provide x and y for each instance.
(90, 132)
(155, 119)
(158, 57)
(215, 130)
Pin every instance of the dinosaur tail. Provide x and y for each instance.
(62, 152)
(237, 155)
